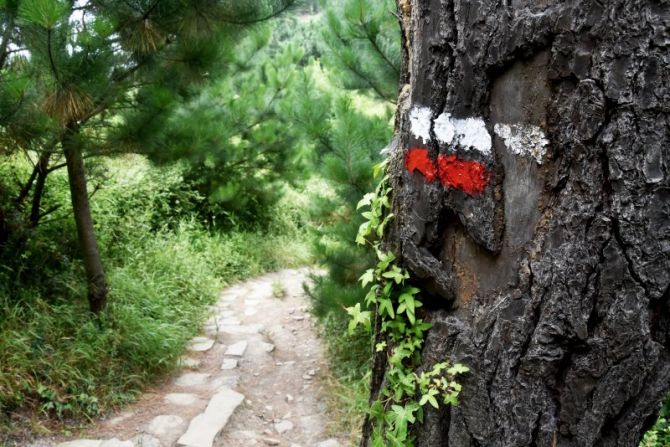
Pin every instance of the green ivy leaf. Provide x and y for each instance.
(458, 368)
(358, 317)
(386, 306)
(366, 200)
(367, 277)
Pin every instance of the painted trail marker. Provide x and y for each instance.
(470, 135)
(468, 176)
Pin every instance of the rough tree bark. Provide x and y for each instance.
(95, 273)
(551, 281)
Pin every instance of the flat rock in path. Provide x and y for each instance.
(116, 443)
(229, 364)
(81, 443)
(144, 440)
(182, 399)
(201, 344)
(204, 427)
(167, 428)
(267, 347)
(244, 329)
(283, 426)
(191, 379)
(189, 362)
(225, 382)
(41, 443)
(328, 443)
(237, 349)
(228, 321)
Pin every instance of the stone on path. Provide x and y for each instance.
(116, 443)
(189, 362)
(229, 321)
(144, 440)
(245, 329)
(237, 349)
(283, 426)
(182, 399)
(203, 428)
(201, 344)
(167, 428)
(226, 381)
(271, 441)
(191, 379)
(81, 443)
(229, 364)
(267, 347)
(328, 443)
(250, 311)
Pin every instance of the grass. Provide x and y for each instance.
(59, 365)
(347, 381)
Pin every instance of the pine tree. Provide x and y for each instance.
(234, 139)
(361, 56)
(70, 68)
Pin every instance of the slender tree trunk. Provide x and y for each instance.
(25, 190)
(532, 202)
(95, 273)
(42, 170)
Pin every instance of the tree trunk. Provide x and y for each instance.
(95, 273)
(42, 169)
(532, 204)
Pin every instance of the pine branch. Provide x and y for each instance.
(51, 57)
(376, 47)
(4, 53)
(272, 15)
(351, 67)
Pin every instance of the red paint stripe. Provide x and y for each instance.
(417, 159)
(469, 176)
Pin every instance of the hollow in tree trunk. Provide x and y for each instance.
(95, 273)
(532, 202)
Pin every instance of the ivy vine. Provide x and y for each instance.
(405, 392)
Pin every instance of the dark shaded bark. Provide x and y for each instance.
(42, 170)
(551, 285)
(379, 364)
(95, 273)
(25, 189)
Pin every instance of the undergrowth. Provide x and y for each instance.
(59, 363)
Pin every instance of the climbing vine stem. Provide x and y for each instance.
(405, 392)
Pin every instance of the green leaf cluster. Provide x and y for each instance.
(405, 394)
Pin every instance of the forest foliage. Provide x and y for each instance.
(214, 140)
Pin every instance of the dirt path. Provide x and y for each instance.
(251, 379)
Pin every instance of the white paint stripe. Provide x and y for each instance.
(523, 139)
(419, 119)
(471, 133)
(444, 128)
(468, 133)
